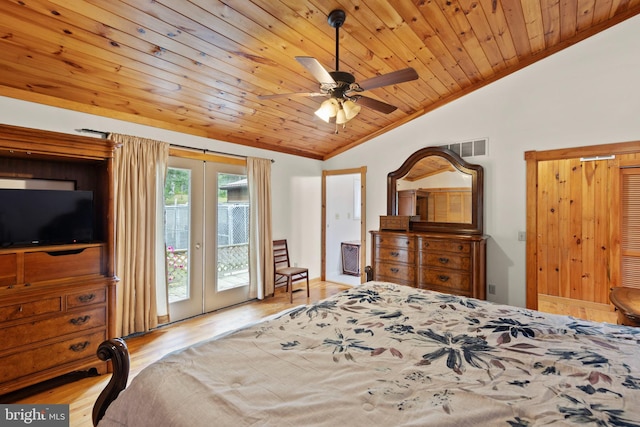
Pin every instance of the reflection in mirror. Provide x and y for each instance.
(438, 190)
(435, 191)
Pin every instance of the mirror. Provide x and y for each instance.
(439, 190)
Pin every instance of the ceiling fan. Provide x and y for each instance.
(341, 87)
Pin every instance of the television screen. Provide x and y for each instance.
(45, 217)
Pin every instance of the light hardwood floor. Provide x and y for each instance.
(145, 349)
(577, 308)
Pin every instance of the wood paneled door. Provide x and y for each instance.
(574, 222)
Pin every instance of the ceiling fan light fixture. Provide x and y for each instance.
(351, 109)
(328, 109)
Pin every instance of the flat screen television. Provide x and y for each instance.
(45, 217)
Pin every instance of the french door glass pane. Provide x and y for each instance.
(177, 220)
(233, 231)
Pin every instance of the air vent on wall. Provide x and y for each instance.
(474, 148)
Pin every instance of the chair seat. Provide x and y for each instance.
(291, 270)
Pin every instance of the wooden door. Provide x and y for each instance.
(630, 227)
(574, 223)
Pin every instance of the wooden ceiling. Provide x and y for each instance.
(428, 166)
(198, 66)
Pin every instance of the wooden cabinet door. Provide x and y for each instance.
(407, 202)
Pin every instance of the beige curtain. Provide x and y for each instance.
(260, 237)
(139, 168)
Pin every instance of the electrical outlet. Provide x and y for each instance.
(522, 236)
(491, 289)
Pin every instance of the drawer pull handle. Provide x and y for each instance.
(460, 247)
(443, 278)
(20, 309)
(68, 252)
(443, 260)
(79, 347)
(394, 269)
(426, 245)
(395, 254)
(86, 298)
(80, 320)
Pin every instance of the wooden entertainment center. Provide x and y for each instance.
(57, 301)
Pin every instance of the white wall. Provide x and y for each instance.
(296, 191)
(587, 94)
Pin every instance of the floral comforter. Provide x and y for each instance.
(387, 355)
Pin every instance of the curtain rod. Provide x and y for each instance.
(204, 150)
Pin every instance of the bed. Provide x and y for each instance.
(389, 355)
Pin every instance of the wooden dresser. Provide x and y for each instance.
(451, 263)
(57, 301)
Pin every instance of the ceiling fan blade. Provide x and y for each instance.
(392, 78)
(374, 104)
(287, 95)
(315, 68)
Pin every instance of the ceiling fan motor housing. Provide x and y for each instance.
(336, 18)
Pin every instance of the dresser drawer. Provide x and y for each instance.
(395, 272)
(93, 296)
(394, 255)
(8, 269)
(445, 260)
(28, 333)
(395, 241)
(396, 280)
(445, 246)
(67, 351)
(51, 265)
(445, 280)
(29, 309)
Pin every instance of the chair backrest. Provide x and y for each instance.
(280, 254)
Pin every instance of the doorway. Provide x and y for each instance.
(343, 219)
(206, 224)
(574, 214)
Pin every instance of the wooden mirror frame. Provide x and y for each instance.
(477, 192)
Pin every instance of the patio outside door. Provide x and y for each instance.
(206, 221)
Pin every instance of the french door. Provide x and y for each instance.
(206, 221)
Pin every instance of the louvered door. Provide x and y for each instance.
(630, 227)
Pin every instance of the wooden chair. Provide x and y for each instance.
(284, 274)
